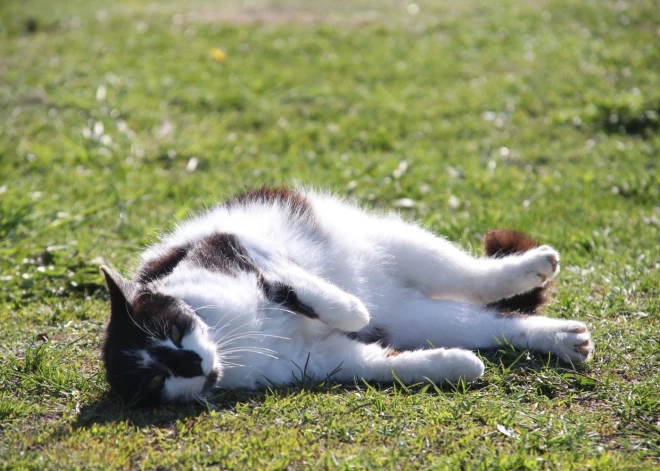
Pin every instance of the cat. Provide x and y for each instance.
(274, 281)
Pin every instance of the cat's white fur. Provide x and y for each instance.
(353, 268)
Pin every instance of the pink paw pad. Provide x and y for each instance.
(584, 348)
(579, 330)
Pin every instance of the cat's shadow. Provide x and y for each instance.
(110, 409)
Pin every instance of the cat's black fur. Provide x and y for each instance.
(135, 315)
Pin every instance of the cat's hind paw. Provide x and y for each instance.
(538, 266)
(569, 340)
(573, 342)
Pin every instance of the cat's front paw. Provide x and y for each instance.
(345, 312)
(462, 364)
(356, 315)
(446, 364)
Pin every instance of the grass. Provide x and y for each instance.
(539, 116)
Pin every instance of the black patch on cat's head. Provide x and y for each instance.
(138, 317)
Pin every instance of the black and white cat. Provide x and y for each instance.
(276, 279)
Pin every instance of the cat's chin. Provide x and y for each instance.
(181, 390)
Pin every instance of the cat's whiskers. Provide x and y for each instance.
(266, 351)
(231, 364)
(207, 306)
(229, 350)
(163, 326)
(254, 334)
(278, 309)
(214, 327)
(221, 339)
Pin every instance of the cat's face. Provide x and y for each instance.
(156, 349)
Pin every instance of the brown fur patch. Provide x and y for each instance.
(500, 243)
(390, 352)
(291, 199)
(225, 253)
(376, 335)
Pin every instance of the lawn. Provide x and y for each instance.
(117, 120)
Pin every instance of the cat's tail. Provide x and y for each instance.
(499, 243)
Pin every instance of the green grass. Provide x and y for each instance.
(539, 116)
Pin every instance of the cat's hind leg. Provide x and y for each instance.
(345, 360)
(442, 323)
(439, 268)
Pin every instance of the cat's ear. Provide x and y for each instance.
(121, 291)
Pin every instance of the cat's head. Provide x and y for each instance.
(156, 350)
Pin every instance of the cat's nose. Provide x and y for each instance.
(196, 365)
(183, 363)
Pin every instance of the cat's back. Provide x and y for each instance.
(322, 233)
(266, 215)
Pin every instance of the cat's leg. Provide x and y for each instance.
(315, 297)
(345, 359)
(444, 323)
(439, 268)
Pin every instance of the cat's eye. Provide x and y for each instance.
(156, 382)
(175, 335)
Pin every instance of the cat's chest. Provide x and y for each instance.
(253, 348)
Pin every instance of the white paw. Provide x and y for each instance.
(357, 315)
(569, 340)
(447, 364)
(346, 313)
(538, 266)
(572, 342)
(462, 364)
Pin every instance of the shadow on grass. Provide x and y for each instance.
(551, 378)
(111, 409)
(544, 373)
